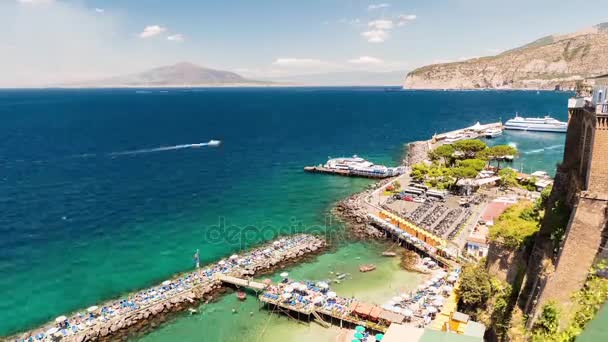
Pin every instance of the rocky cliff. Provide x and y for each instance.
(547, 63)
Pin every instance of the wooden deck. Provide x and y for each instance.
(240, 282)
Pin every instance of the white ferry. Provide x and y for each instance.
(361, 167)
(546, 124)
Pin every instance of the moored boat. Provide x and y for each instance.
(367, 268)
(546, 124)
(389, 254)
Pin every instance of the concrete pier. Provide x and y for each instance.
(116, 319)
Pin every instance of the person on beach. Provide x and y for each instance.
(197, 259)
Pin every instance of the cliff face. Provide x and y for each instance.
(543, 64)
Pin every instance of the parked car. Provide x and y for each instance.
(419, 200)
(408, 198)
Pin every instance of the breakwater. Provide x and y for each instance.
(138, 312)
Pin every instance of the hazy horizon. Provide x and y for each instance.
(48, 42)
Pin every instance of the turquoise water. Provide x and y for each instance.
(81, 223)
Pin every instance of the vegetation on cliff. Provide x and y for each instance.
(516, 226)
(587, 303)
(485, 298)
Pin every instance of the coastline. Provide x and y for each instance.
(202, 289)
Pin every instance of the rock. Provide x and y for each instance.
(104, 332)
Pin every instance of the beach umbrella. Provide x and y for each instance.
(426, 259)
(396, 310)
(267, 281)
(434, 290)
(428, 283)
(379, 337)
(359, 328)
(288, 289)
(276, 243)
(447, 288)
(438, 303)
(405, 296)
(234, 256)
(317, 300)
(331, 294)
(241, 261)
(454, 274)
(92, 309)
(221, 263)
(431, 309)
(286, 295)
(282, 240)
(166, 282)
(396, 299)
(452, 279)
(284, 275)
(421, 287)
(61, 319)
(359, 335)
(52, 331)
(390, 303)
(295, 285)
(266, 251)
(407, 312)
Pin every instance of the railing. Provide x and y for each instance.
(601, 108)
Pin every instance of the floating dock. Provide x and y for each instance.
(348, 173)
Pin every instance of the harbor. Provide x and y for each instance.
(136, 311)
(355, 166)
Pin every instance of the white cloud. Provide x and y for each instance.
(354, 21)
(405, 18)
(298, 62)
(178, 37)
(377, 6)
(375, 36)
(151, 31)
(381, 24)
(366, 60)
(99, 10)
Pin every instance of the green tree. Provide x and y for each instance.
(419, 172)
(470, 147)
(508, 178)
(497, 153)
(464, 172)
(443, 153)
(475, 288)
(477, 164)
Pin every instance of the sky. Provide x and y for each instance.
(46, 42)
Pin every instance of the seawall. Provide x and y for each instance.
(182, 292)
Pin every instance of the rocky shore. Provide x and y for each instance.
(266, 259)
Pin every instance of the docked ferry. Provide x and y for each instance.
(546, 124)
(358, 166)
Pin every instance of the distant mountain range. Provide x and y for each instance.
(180, 74)
(555, 61)
(344, 78)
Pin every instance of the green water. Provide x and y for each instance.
(216, 322)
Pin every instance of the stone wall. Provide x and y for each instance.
(417, 152)
(581, 243)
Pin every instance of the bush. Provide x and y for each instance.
(516, 226)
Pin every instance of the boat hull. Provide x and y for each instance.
(538, 129)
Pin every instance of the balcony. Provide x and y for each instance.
(601, 108)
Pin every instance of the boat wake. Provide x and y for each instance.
(211, 143)
(541, 150)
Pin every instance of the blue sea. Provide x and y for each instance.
(98, 195)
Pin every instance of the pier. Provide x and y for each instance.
(239, 282)
(116, 319)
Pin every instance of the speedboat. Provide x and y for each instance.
(214, 143)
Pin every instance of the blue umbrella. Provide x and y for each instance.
(379, 337)
(360, 328)
(359, 335)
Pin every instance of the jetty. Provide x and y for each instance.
(355, 167)
(117, 319)
(310, 301)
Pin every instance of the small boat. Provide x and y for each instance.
(341, 276)
(389, 254)
(214, 143)
(493, 133)
(192, 311)
(367, 268)
(241, 295)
